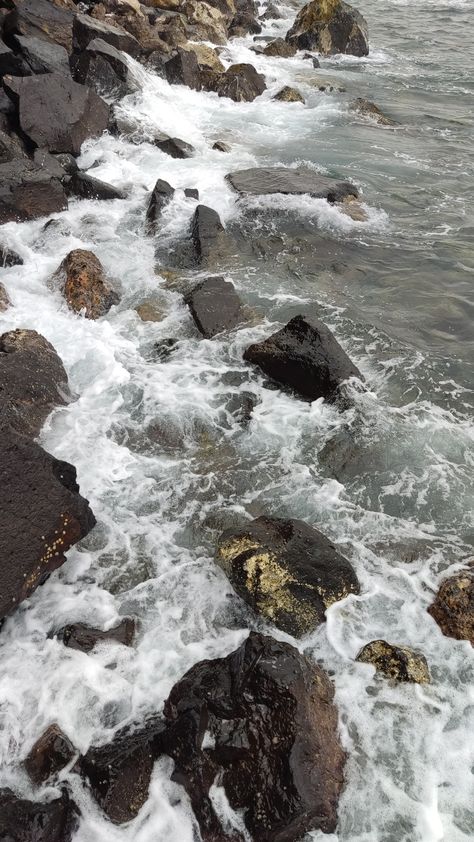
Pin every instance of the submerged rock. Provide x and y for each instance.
(260, 181)
(41, 19)
(369, 109)
(305, 356)
(288, 94)
(330, 26)
(215, 306)
(84, 638)
(208, 236)
(84, 284)
(453, 607)
(28, 191)
(85, 186)
(286, 571)
(221, 146)
(33, 821)
(240, 82)
(33, 381)
(51, 753)
(398, 662)
(41, 517)
(262, 722)
(161, 194)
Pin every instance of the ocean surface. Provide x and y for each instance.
(166, 464)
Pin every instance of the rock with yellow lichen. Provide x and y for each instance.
(42, 515)
(286, 571)
(398, 662)
(330, 26)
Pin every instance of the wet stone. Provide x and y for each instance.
(261, 181)
(33, 821)
(85, 186)
(84, 284)
(453, 607)
(397, 662)
(161, 194)
(9, 258)
(215, 306)
(369, 109)
(84, 638)
(174, 147)
(330, 26)
(51, 753)
(288, 94)
(5, 302)
(191, 193)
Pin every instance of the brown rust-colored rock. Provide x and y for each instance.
(84, 284)
(397, 662)
(279, 48)
(453, 607)
(330, 26)
(32, 381)
(286, 571)
(84, 638)
(51, 753)
(262, 721)
(33, 821)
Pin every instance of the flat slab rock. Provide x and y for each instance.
(288, 572)
(262, 181)
(41, 517)
(31, 821)
(84, 638)
(215, 306)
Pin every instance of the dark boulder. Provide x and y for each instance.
(9, 258)
(55, 112)
(67, 162)
(240, 82)
(279, 48)
(221, 146)
(11, 148)
(453, 607)
(183, 69)
(85, 186)
(86, 29)
(286, 571)
(174, 147)
(244, 20)
(259, 181)
(288, 94)
(41, 517)
(28, 191)
(368, 109)
(161, 194)
(103, 68)
(208, 236)
(41, 56)
(33, 381)
(84, 638)
(51, 753)
(191, 193)
(330, 26)
(84, 284)
(11, 63)
(397, 662)
(305, 356)
(272, 741)
(215, 306)
(49, 163)
(40, 19)
(32, 821)
(271, 12)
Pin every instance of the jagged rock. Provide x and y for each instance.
(288, 94)
(220, 146)
(330, 26)
(41, 56)
(240, 82)
(262, 722)
(369, 109)
(51, 753)
(28, 192)
(84, 284)
(9, 258)
(32, 821)
(41, 517)
(103, 68)
(245, 19)
(40, 19)
(286, 571)
(206, 22)
(183, 69)
(67, 162)
(87, 29)
(33, 381)
(162, 193)
(11, 63)
(174, 146)
(215, 306)
(208, 236)
(305, 356)
(5, 302)
(119, 773)
(280, 48)
(207, 58)
(191, 193)
(169, 31)
(55, 112)
(453, 607)
(271, 12)
(86, 187)
(49, 163)
(397, 662)
(260, 181)
(10, 148)
(84, 638)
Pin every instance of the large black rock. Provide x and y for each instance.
(260, 181)
(183, 69)
(208, 236)
(32, 821)
(215, 306)
(286, 571)
(305, 356)
(86, 29)
(28, 191)
(41, 56)
(50, 753)
(161, 194)
(11, 63)
(104, 68)
(240, 82)
(84, 638)
(87, 187)
(40, 19)
(330, 26)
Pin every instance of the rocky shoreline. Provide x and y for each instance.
(262, 721)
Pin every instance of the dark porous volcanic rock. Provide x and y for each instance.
(174, 146)
(288, 94)
(84, 284)
(119, 773)
(161, 194)
(41, 56)
(84, 638)
(330, 26)
(86, 29)
(208, 236)
(87, 187)
(103, 68)
(215, 306)
(28, 191)
(286, 571)
(240, 82)
(369, 109)
(259, 181)
(32, 821)
(32, 381)
(273, 743)
(304, 356)
(41, 517)
(453, 607)
(9, 258)
(55, 112)
(40, 19)
(183, 69)
(51, 753)
(398, 662)
(279, 48)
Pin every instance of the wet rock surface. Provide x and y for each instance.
(369, 109)
(183, 69)
(84, 638)
(215, 306)
(208, 236)
(240, 82)
(279, 48)
(272, 741)
(261, 181)
(396, 662)
(103, 68)
(28, 191)
(41, 517)
(288, 94)
(51, 753)
(86, 29)
(40, 56)
(84, 284)
(9, 258)
(162, 193)
(41, 19)
(330, 26)
(305, 356)
(5, 302)
(85, 186)
(174, 146)
(30, 821)
(453, 607)
(286, 571)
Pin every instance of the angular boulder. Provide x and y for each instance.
(9, 258)
(83, 638)
(279, 48)
(11, 63)
(262, 722)
(41, 56)
(28, 191)
(51, 753)
(183, 69)
(397, 662)
(33, 381)
(104, 68)
(330, 27)
(453, 607)
(208, 236)
(206, 23)
(174, 146)
(286, 571)
(32, 821)
(288, 94)
(85, 186)
(40, 19)
(304, 356)
(240, 82)
(215, 306)
(162, 193)
(41, 517)
(86, 29)
(11, 147)
(84, 284)
(207, 57)
(245, 19)
(260, 181)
